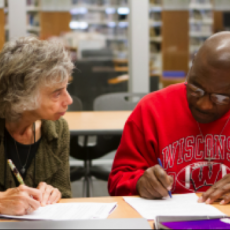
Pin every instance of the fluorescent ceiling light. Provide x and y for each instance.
(78, 25)
(123, 10)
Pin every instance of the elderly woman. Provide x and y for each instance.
(34, 76)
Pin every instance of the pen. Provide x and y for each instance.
(160, 163)
(16, 173)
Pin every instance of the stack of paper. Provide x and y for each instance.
(70, 211)
(180, 205)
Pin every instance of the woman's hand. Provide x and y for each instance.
(20, 201)
(50, 195)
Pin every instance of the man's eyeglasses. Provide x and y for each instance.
(215, 98)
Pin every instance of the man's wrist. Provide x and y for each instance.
(137, 186)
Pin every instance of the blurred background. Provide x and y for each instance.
(135, 46)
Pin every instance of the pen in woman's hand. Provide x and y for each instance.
(16, 172)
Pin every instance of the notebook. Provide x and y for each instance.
(192, 222)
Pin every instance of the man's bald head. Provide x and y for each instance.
(211, 73)
(215, 51)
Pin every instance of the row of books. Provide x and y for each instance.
(35, 3)
(1, 3)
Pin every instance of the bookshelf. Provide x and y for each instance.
(109, 17)
(222, 5)
(47, 18)
(54, 23)
(220, 8)
(2, 24)
(33, 16)
(6, 24)
(175, 41)
(167, 25)
(155, 31)
(201, 23)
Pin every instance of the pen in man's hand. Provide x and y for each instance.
(160, 163)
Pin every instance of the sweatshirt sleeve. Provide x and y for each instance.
(131, 160)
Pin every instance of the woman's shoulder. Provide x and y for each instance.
(55, 129)
(61, 125)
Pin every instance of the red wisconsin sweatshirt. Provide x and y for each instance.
(162, 126)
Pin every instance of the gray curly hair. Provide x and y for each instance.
(27, 64)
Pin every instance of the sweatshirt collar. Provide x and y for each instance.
(49, 132)
(48, 129)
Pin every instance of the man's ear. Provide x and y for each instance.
(194, 58)
(190, 70)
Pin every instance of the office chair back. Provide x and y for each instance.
(117, 101)
(76, 105)
(111, 102)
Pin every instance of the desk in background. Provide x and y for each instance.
(97, 123)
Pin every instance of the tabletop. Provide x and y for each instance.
(96, 123)
(123, 209)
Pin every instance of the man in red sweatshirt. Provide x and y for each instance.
(187, 126)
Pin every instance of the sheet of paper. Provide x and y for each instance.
(70, 211)
(179, 205)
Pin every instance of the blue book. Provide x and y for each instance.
(221, 222)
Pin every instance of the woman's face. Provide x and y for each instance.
(54, 102)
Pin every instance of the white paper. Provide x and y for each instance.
(179, 205)
(70, 211)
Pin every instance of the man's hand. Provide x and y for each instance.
(220, 190)
(50, 195)
(19, 201)
(155, 183)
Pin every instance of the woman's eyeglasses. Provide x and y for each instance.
(215, 98)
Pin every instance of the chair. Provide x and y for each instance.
(90, 80)
(112, 102)
(85, 148)
(76, 105)
(117, 101)
(89, 148)
(105, 53)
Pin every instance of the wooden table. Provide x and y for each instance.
(96, 123)
(123, 209)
